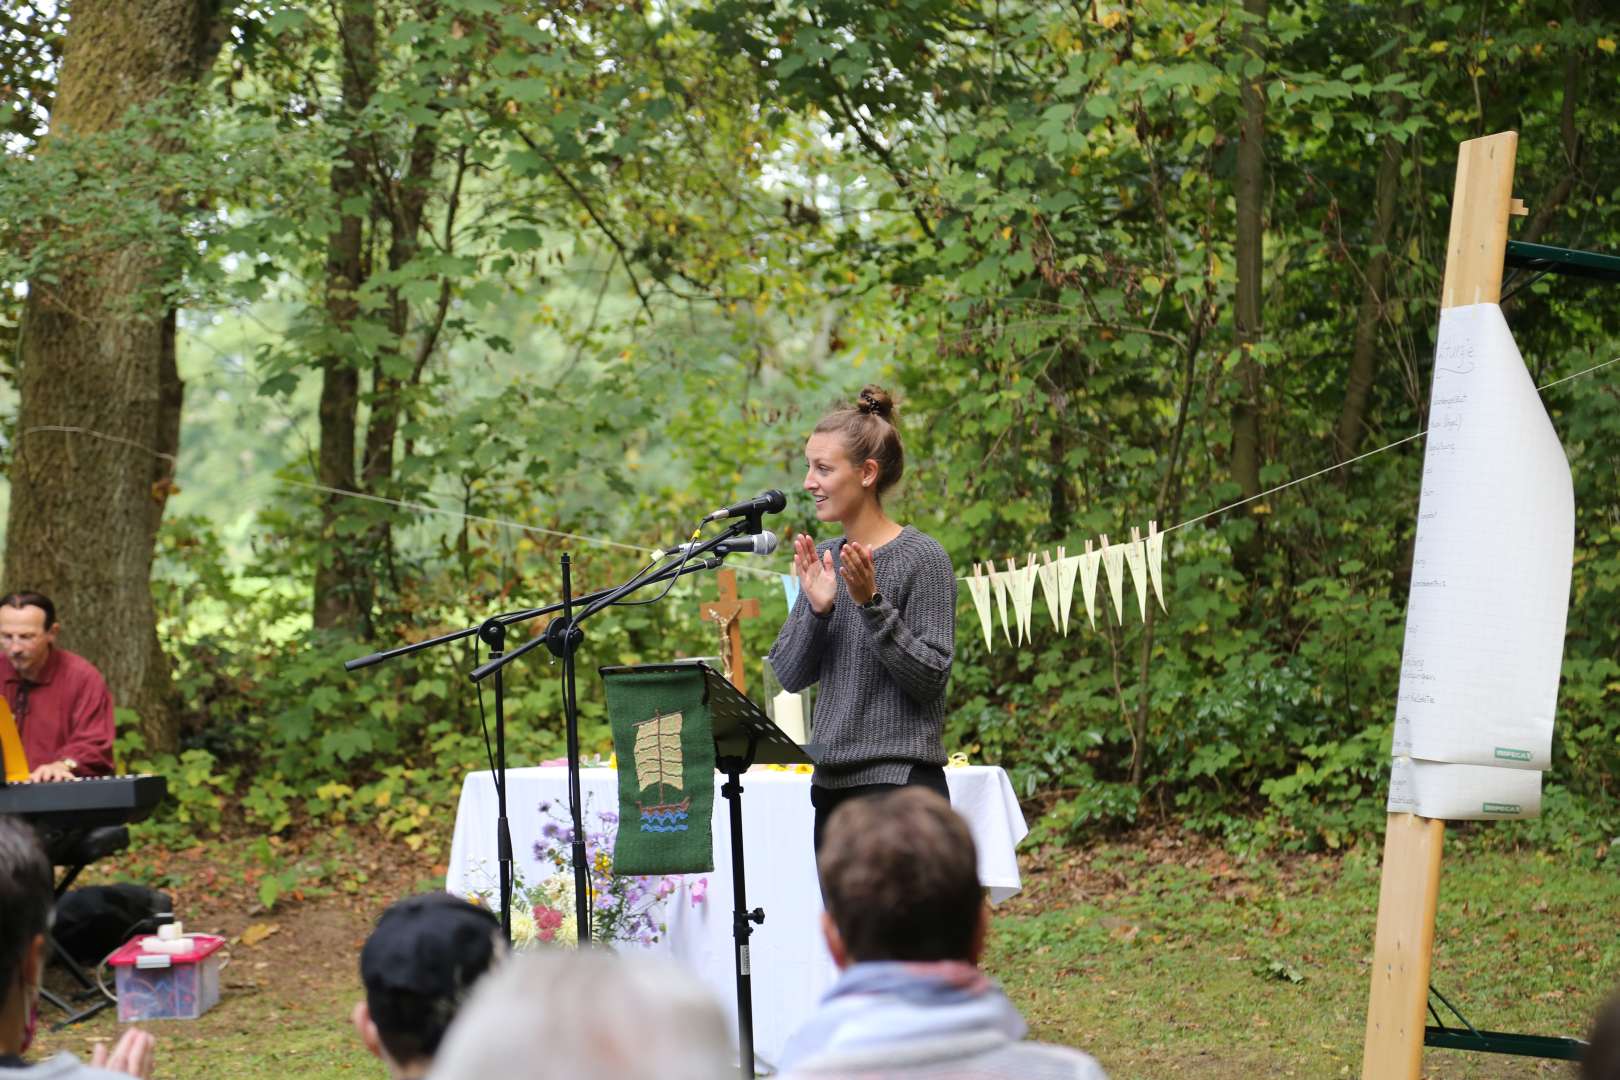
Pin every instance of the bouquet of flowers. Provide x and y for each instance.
(625, 910)
(542, 914)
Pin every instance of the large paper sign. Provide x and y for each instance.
(1490, 577)
(1438, 789)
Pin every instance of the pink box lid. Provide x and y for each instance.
(202, 946)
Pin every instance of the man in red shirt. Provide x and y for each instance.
(58, 699)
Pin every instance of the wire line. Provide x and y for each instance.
(499, 522)
(1362, 457)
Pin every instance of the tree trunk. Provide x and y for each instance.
(99, 414)
(1250, 245)
(407, 205)
(1352, 424)
(342, 575)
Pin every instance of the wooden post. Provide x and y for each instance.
(1409, 891)
(727, 613)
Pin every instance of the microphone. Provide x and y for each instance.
(758, 544)
(772, 502)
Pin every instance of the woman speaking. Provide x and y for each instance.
(875, 622)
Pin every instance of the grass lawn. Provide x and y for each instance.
(1161, 955)
(1169, 958)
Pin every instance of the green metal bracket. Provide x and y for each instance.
(1496, 1042)
(1552, 1047)
(1547, 259)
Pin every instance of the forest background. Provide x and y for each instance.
(510, 271)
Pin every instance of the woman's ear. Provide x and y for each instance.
(869, 473)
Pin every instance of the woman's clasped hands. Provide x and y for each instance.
(818, 579)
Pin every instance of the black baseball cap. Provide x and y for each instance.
(420, 961)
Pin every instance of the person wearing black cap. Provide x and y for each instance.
(418, 965)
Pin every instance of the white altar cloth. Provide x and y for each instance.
(791, 969)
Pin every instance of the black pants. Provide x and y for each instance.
(826, 800)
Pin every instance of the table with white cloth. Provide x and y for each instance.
(791, 968)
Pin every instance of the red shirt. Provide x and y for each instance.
(68, 713)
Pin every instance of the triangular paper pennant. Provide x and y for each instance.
(979, 587)
(1015, 589)
(1048, 572)
(1088, 581)
(1155, 561)
(790, 589)
(1026, 583)
(999, 582)
(1113, 557)
(1136, 559)
(1068, 566)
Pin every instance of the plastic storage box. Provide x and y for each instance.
(167, 985)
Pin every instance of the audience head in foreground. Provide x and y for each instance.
(588, 1014)
(418, 966)
(1603, 1045)
(905, 923)
(27, 899)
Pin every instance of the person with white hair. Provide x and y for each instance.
(587, 1015)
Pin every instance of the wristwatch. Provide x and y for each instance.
(877, 598)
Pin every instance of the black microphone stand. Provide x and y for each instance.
(563, 637)
(492, 632)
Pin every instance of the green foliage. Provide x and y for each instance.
(198, 791)
(617, 260)
(1050, 201)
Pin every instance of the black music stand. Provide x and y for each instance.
(743, 736)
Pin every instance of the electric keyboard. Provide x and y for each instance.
(85, 803)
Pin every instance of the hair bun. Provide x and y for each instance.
(876, 401)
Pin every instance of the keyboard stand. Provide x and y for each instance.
(94, 844)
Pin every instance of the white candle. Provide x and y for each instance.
(790, 715)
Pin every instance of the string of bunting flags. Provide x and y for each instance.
(1014, 587)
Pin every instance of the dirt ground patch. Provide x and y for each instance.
(291, 970)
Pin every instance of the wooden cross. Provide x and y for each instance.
(727, 613)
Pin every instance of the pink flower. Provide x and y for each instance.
(547, 921)
(667, 885)
(700, 891)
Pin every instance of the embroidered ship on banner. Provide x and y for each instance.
(658, 767)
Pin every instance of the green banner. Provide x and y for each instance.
(664, 738)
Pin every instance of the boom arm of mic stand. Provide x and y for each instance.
(511, 617)
(598, 600)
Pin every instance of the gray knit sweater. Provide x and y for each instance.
(880, 708)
